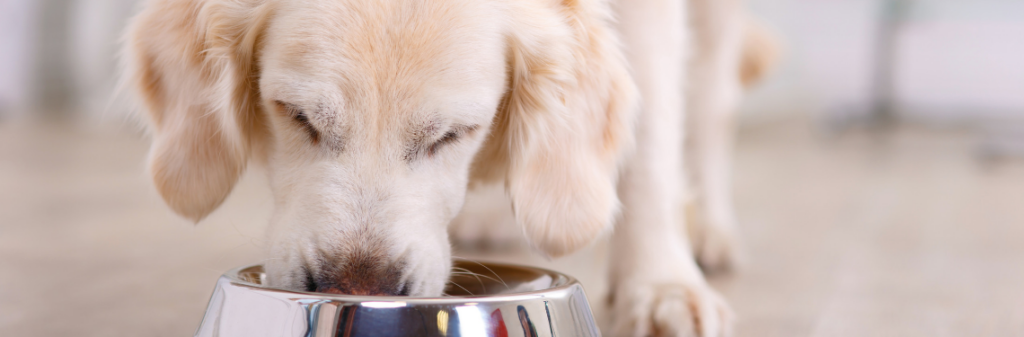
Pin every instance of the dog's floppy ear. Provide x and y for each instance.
(192, 65)
(558, 138)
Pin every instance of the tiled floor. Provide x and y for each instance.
(905, 235)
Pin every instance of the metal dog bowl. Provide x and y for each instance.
(500, 300)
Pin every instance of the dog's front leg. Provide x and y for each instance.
(657, 288)
(714, 92)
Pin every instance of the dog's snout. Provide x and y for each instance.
(359, 276)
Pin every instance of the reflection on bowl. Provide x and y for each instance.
(483, 299)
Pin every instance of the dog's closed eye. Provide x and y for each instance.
(449, 137)
(425, 148)
(300, 117)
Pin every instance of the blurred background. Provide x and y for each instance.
(879, 180)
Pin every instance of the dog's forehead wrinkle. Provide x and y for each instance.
(389, 64)
(387, 47)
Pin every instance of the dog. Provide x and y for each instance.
(372, 118)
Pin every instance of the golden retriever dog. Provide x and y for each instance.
(373, 118)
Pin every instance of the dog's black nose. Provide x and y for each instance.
(365, 275)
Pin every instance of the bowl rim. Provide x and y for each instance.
(569, 285)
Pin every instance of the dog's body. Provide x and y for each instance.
(374, 116)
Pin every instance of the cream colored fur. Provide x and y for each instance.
(373, 117)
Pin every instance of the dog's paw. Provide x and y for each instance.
(715, 242)
(717, 248)
(674, 309)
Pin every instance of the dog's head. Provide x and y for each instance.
(372, 118)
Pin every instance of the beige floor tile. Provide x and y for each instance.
(856, 235)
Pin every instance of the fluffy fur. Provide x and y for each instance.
(373, 117)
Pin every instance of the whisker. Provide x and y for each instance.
(488, 269)
(477, 276)
(465, 271)
(252, 239)
(484, 276)
(461, 287)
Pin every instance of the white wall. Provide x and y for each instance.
(37, 62)
(98, 26)
(963, 60)
(17, 42)
(954, 60)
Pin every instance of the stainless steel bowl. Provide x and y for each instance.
(490, 300)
